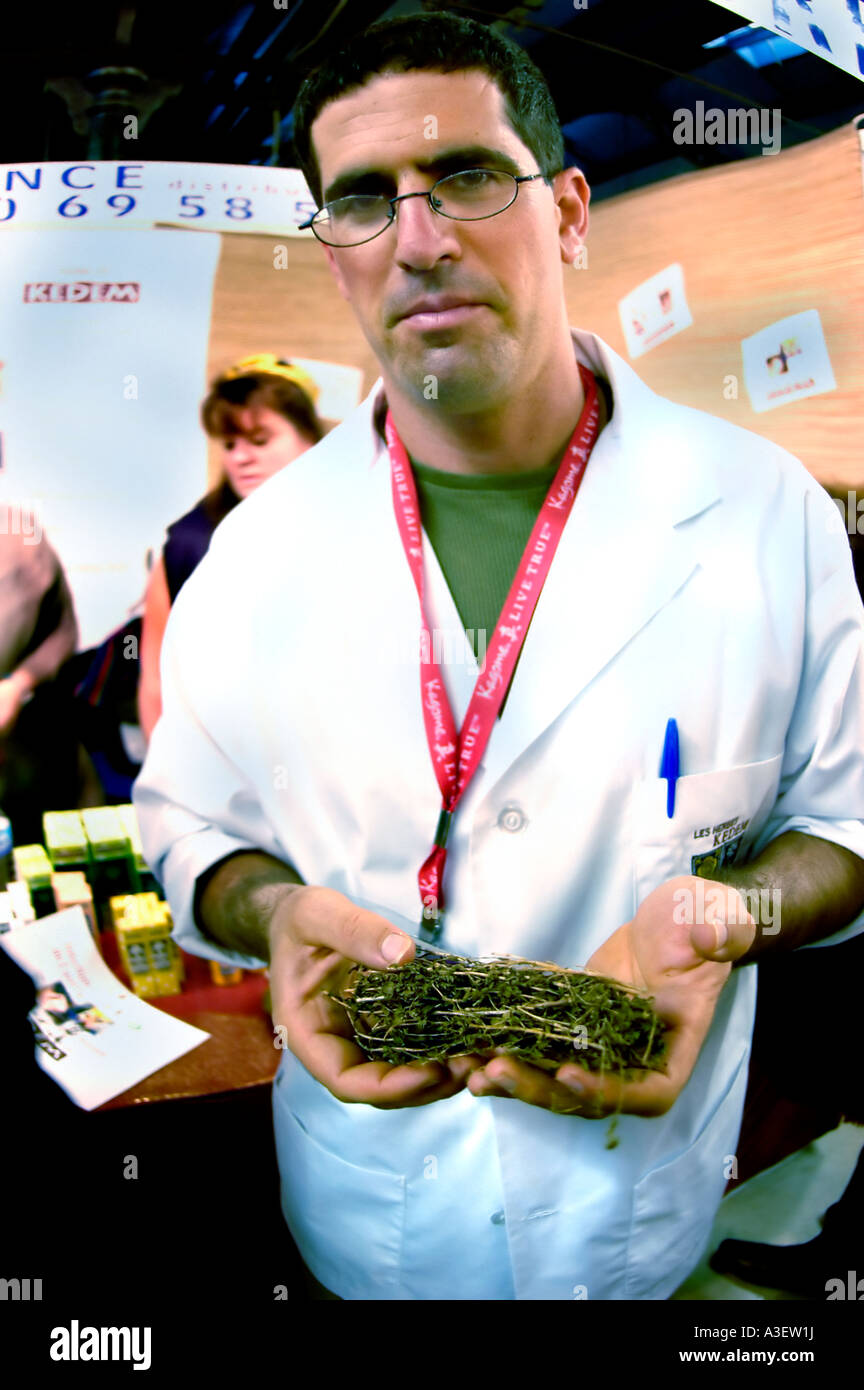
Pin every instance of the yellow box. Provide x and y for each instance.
(32, 866)
(142, 923)
(139, 912)
(152, 967)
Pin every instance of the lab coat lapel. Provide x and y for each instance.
(623, 556)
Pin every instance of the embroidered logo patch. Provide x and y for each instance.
(722, 843)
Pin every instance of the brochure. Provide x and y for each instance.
(93, 1036)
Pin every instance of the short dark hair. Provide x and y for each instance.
(222, 409)
(433, 43)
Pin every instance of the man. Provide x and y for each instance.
(38, 633)
(38, 630)
(297, 770)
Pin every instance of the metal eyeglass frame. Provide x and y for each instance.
(427, 194)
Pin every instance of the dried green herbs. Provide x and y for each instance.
(445, 1006)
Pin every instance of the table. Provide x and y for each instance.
(240, 1053)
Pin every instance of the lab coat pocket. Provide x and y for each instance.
(717, 816)
(348, 1222)
(674, 1205)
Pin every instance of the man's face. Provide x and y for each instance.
(398, 134)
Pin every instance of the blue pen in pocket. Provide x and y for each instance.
(670, 765)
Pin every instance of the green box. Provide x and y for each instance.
(66, 841)
(142, 878)
(112, 870)
(33, 867)
(106, 834)
(146, 881)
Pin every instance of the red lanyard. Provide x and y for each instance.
(456, 756)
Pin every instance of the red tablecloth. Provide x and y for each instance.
(199, 991)
(240, 1051)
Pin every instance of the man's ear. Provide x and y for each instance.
(572, 196)
(337, 273)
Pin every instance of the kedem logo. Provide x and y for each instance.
(723, 843)
(82, 292)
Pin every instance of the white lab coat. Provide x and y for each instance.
(704, 575)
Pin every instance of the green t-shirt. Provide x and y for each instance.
(478, 527)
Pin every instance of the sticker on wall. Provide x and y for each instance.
(787, 361)
(656, 310)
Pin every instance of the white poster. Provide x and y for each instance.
(656, 310)
(114, 194)
(833, 29)
(93, 1036)
(787, 361)
(341, 387)
(103, 346)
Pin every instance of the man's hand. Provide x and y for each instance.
(684, 966)
(316, 936)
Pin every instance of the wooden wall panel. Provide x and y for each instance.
(758, 240)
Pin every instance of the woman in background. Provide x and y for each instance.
(263, 412)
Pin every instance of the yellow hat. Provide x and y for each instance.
(271, 365)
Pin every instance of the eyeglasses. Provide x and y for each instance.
(468, 196)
